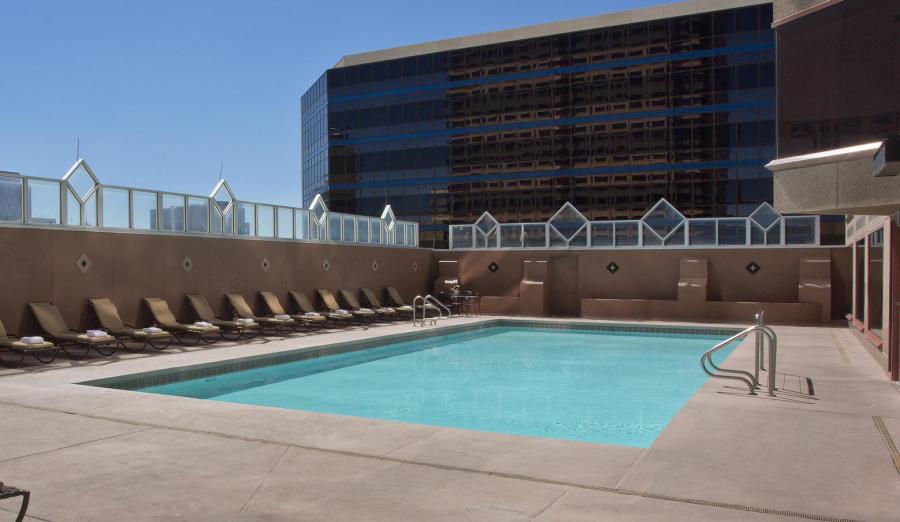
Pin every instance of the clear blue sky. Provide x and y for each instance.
(160, 92)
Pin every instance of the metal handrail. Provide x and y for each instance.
(426, 300)
(750, 379)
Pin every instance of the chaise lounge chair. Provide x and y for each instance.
(109, 318)
(353, 303)
(200, 331)
(396, 300)
(283, 324)
(45, 352)
(53, 324)
(372, 300)
(306, 308)
(244, 328)
(274, 305)
(332, 306)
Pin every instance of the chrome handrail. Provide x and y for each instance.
(750, 379)
(426, 300)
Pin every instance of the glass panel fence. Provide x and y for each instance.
(265, 221)
(10, 198)
(143, 210)
(73, 208)
(285, 223)
(349, 229)
(301, 224)
(376, 229)
(115, 208)
(42, 202)
(362, 234)
(334, 227)
(172, 210)
(198, 216)
(246, 219)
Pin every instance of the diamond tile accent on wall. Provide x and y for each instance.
(493, 267)
(326, 265)
(265, 264)
(753, 268)
(612, 267)
(374, 266)
(415, 266)
(84, 263)
(187, 263)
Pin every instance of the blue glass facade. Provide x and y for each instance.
(610, 119)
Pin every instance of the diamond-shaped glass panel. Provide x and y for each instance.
(568, 221)
(318, 209)
(223, 198)
(765, 216)
(663, 219)
(486, 223)
(82, 181)
(388, 217)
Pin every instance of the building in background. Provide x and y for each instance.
(838, 145)
(610, 113)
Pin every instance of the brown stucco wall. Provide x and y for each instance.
(40, 265)
(653, 274)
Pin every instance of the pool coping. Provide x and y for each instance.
(140, 380)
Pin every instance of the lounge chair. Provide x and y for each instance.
(332, 306)
(109, 318)
(53, 324)
(306, 308)
(45, 352)
(274, 305)
(246, 329)
(240, 307)
(353, 303)
(396, 300)
(198, 332)
(372, 300)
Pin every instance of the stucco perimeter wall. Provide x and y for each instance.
(40, 265)
(653, 275)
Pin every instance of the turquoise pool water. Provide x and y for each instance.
(594, 386)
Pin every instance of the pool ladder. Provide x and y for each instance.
(435, 303)
(763, 333)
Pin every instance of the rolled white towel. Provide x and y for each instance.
(34, 339)
(96, 333)
(366, 310)
(152, 330)
(282, 317)
(202, 324)
(311, 314)
(243, 320)
(341, 311)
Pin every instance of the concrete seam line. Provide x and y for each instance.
(447, 467)
(102, 439)
(27, 516)
(888, 441)
(840, 347)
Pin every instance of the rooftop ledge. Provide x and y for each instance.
(866, 150)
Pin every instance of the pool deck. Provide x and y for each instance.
(90, 453)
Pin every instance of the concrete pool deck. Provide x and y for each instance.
(90, 453)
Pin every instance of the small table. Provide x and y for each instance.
(10, 492)
(467, 304)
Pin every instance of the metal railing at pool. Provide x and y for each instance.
(435, 304)
(762, 332)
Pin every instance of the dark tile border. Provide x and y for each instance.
(138, 381)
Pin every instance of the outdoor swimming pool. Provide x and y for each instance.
(594, 386)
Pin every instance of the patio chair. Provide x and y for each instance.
(282, 324)
(247, 329)
(274, 306)
(108, 316)
(332, 306)
(54, 325)
(306, 308)
(43, 351)
(396, 300)
(198, 332)
(353, 303)
(372, 300)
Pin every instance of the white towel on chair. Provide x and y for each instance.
(202, 324)
(152, 330)
(341, 311)
(311, 314)
(244, 320)
(34, 339)
(366, 310)
(282, 317)
(96, 333)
